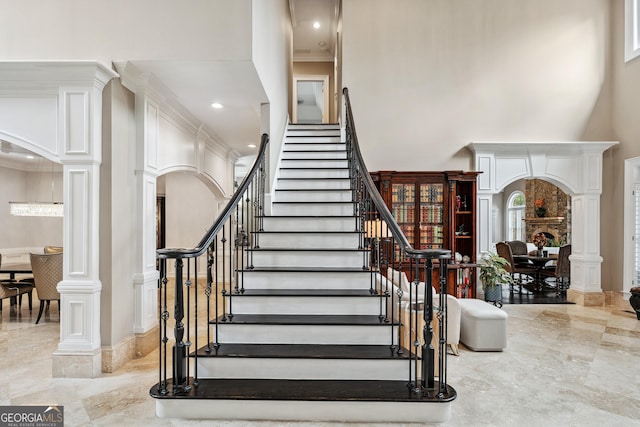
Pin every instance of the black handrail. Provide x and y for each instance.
(372, 207)
(228, 235)
(381, 206)
(211, 233)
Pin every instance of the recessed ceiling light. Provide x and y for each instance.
(29, 156)
(316, 25)
(216, 105)
(251, 145)
(322, 44)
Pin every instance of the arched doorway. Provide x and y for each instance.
(574, 166)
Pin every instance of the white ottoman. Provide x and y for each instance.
(483, 326)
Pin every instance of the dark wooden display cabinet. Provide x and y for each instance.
(436, 210)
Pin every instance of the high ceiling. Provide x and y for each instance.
(309, 43)
(196, 85)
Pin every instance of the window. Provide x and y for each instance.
(631, 29)
(515, 216)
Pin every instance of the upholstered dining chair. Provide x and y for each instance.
(518, 247)
(14, 290)
(47, 273)
(562, 270)
(52, 249)
(518, 271)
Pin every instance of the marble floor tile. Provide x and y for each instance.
(564, 365)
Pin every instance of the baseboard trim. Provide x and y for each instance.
(115, 357)
(587, 299)
(146, 342)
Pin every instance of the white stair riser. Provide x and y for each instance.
(313, 196)
(319, 411)
(306, 280)
(319, 135)
(304, 334)
(320, 163)
(339, 209)
(313, 173)
(306, 305)
(334, 155)
(313, 184)
(307, 259)
(313, 126)
(317, 369)
(309, 240)
(314, 146)
(309, 224)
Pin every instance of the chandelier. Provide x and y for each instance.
(38, 208)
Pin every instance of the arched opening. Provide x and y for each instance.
(575, 167)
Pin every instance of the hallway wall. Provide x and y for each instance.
(625, 107)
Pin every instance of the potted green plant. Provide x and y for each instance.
(494, 273)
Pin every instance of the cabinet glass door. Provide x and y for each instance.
(403, 205)
(431, 216)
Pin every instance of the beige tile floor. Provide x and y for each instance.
(565, 365)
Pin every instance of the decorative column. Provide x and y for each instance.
(80, 141)
(574, 166)
(145, 279)
(149, 96)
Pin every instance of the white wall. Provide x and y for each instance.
(271, 55)
(429, 76)
(191, 209)
(626, 104)
(117, 220)
(107, 30)
(21, 186)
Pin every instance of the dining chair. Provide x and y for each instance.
(518, 247)
(52, 249)
(14, 289)
(562, 269)
(519, 272)
(47, 273)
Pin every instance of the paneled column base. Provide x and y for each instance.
(587, 299)
(77, 365)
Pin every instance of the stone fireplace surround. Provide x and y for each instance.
(557, 219)
(575, 167)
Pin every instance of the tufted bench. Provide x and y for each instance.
(483, 326)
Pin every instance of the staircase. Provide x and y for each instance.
(304, 335)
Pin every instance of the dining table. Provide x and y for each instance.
(539, 264)
(13, 269)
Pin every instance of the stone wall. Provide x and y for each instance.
(554, 218)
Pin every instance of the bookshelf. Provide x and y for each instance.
(435, 210)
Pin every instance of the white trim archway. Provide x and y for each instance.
(574, 166)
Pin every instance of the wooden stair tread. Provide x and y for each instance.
(305, 293)
(304, 351)
(306, 232)
(305, 319)
(306, 250)
(308, 216)
(328, 190)
(306, 270)
(307, 390)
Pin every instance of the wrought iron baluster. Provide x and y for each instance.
(428, 365)
(179, 349)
